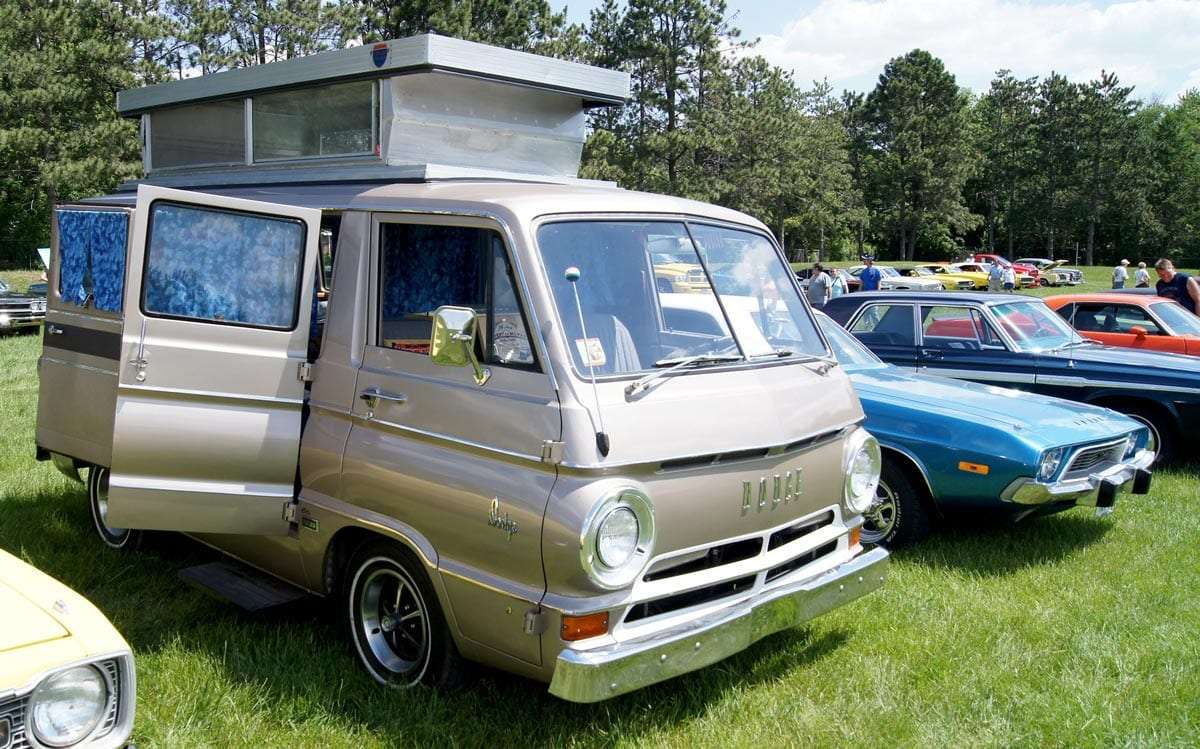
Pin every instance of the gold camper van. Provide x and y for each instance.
(363, 330)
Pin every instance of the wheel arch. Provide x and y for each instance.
(914, 470)
(1120, 401)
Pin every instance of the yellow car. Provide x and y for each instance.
(66, 675)
(949, 281)
(1023, 280)
(945, 270)
(673, 275)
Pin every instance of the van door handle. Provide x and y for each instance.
(53, 329)
(929, 353)
(372, 395)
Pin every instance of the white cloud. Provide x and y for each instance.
(1153, 44)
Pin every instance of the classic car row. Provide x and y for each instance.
(20, 310)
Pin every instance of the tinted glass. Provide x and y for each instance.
(426, 267)
(334, 120)
(1177, 318)
(211, 133)
(886, 325)
(948, 328)
(1034, 326)
(223, 266)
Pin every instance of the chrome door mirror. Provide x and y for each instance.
(453, 341)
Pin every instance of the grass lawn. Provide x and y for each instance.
(1068, 631)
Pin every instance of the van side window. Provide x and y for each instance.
(425, 267)
(886, 325)
(223, 266)
(91, 258)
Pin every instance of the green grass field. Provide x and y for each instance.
(1067, 631)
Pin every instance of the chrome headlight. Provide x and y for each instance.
(67, 706)
(1051, 460)
(1130, 445)
(862, 465)
(617, 538)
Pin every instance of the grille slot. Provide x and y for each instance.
(112, 673)
(690, 598)
(716, 556)
(1090, 457)
(14, 712)
(805, 558)
(791, 533)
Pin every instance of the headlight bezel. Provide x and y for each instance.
(108, 695)
(1050, 463)
(620, 576)
(859, 443)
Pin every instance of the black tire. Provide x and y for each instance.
(121, 539)
(899, 516)
(407, 642)
(1162, 430)
(1043, 282)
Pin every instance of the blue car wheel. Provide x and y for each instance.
(898, 516)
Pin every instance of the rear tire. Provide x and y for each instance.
(122, 539)
(395, 621)
(898, 516)
(1043, 282)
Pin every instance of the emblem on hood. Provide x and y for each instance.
(772, 490)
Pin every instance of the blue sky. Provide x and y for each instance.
(1152, 44)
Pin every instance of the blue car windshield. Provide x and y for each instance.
(849, 352)
(1177, 318)
(1034, 326)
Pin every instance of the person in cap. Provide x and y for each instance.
(870, 275)
(1120, 275)
(1141, 277)
(1177, 286)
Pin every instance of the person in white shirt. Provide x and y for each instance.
(1120, 275)
(1141, 277)
(1010, 278)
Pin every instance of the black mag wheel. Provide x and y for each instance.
(123, 539)
(898, 516)
(396, 624)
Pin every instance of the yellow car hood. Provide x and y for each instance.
(25, 623)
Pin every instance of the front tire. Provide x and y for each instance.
(1162, 432)
(395, 621)
(898, 516)
(122, 539)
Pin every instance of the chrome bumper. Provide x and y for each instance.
(1097, 489)
(11, 322)
(594, 675)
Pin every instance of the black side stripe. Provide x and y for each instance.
(101, 343)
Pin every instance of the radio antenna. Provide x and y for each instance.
(572, 275)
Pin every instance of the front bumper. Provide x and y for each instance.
(594, 675)
(14, 320)
(1098, 489)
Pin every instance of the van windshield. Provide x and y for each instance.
(651, 293)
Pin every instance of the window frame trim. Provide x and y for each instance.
(291, 328)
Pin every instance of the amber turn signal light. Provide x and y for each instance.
(855, 535)
(583, 627)
(978, 468)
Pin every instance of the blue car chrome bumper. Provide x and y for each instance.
(1097, 489)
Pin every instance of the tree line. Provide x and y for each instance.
(917, 167)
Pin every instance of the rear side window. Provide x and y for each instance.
(885, 325)
(425, 267)
(223, 266)
(1113, 318)
(91, 258)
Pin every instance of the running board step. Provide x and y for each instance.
(242, 586)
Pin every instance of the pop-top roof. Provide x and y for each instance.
(427, 52)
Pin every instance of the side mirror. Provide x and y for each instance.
(1138, 331)
(452, 343)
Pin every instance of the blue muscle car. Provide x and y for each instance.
(1019, 342)
(957, 446)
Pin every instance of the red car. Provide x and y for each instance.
(1131, 320)
(1029, 270)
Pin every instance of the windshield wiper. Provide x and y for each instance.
(679, 362)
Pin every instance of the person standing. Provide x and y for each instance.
(818, 287)
(1120, 275)
(870, 275)
(995, 277)
(1141, 277)
(1177, 286)
(837, 284)
(1010, 278)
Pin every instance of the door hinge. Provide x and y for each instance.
(535, 621)
(552, 452)
(304, 372)
(291, 511)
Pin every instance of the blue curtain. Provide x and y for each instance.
(91, 255)
(223, 266)
(427, 267)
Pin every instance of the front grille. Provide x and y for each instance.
(966, 285)
(697, 276)
(14, 712)
(690, 598)
(804, 527)
(1090, 457)
(715, 556)
(806, 558)
(112, 672)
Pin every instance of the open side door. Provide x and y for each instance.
(218, 304)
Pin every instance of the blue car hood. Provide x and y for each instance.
(1154, 367)
(1035, 418)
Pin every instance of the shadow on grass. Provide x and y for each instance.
(1002, 548)
(298, 665)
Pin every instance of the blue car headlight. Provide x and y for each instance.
(1051, 460)
(1130, 445)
